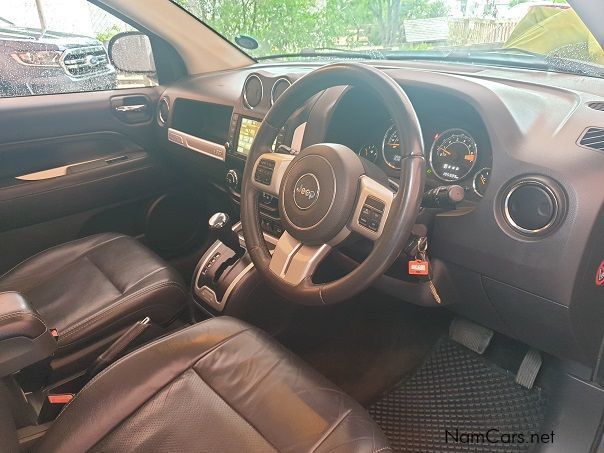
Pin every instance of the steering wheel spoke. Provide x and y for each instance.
(269, 170)
(293, 261)
(372, 208)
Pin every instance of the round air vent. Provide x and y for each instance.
(163, 110)
(253, 91)
(533, 206)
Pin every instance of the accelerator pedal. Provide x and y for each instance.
(471, 335)
(529, 368)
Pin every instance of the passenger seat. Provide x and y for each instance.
(92, 288)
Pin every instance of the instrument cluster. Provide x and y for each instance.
(454, 156)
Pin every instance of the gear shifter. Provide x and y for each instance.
(221, 229)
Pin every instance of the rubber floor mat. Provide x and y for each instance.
(459, 402)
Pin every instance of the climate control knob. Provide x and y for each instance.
(232, 179)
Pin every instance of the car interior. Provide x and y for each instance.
(351, 253)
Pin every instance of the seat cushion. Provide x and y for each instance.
(94, 286)
(220, 385)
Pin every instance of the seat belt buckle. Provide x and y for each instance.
(54, 333)
(60, 398)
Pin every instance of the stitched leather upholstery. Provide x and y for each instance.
(220, 385)
(17, 319)
(95, 286)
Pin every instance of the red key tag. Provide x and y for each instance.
(419, 267)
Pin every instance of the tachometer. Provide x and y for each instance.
(453, 155)
(369, 152)
(391, 148)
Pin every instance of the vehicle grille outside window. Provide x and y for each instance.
(85, 61)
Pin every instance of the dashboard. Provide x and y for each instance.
(519, 255)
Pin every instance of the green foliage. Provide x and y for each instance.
(517, 2)
(106, 35)
(282, 26)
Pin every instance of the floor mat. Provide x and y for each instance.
(453, 400)
(370, 345)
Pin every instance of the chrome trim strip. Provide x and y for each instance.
(197, 144)
(235, 282)
(53, 172)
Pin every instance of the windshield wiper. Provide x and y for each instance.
(327, 52)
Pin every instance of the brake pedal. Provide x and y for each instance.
(471, 335)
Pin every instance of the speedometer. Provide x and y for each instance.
(453, 155)
(391, 148)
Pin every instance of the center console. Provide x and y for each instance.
(225, 271)
(225, 134)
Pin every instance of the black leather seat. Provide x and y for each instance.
(218, 386)
(91, 288)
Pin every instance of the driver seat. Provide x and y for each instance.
(220, 385)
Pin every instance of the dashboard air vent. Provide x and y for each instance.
(533, 205)
(593, 138)
(163, 111)
(596, 106)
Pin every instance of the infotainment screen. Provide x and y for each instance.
(247, 132)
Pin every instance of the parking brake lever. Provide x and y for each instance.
(117, 347)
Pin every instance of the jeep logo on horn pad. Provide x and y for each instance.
(306, 191)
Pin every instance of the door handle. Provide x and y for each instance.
(131, 108)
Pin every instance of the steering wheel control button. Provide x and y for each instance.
(264, 171)
(306, 191)
(371, 214)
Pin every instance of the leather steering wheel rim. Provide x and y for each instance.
(405, 203)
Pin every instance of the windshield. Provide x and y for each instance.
(6, 23)
(540, 34)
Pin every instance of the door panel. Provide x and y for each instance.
(71, 164)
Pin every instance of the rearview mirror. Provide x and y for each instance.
(131, 52)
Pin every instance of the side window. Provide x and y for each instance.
(61, 46)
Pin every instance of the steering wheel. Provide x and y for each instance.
(327, 192)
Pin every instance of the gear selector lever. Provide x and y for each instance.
(221, 228)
